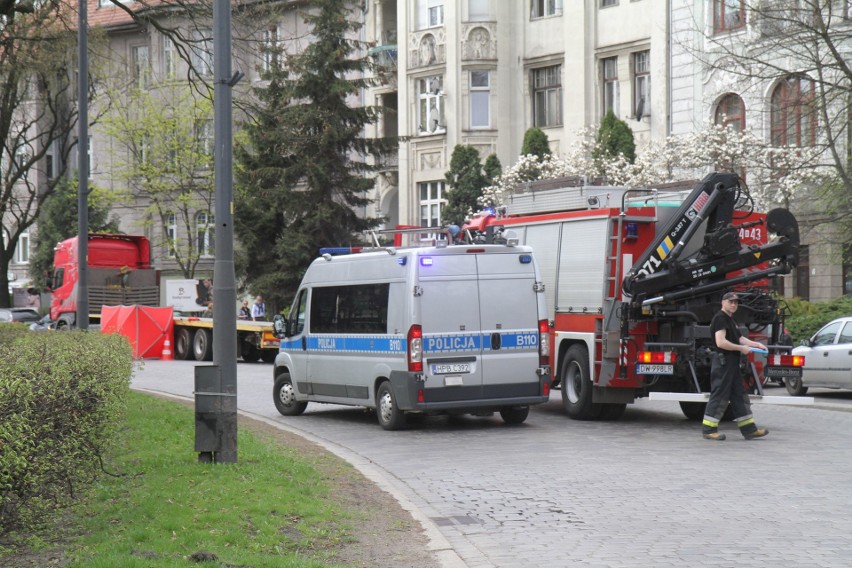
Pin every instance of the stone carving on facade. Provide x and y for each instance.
(431, 160)
(479, 43)
(427, 48)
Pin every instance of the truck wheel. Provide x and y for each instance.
(795, 387)
(249, 352)
(576, 385)
(693, 410)
(389, 414)
(268, 355)
(183, 342)
(284, 396)
(514, 414)
(202, 345)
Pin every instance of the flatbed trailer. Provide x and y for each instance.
(194, 339)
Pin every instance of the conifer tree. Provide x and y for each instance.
(466, 180)
(614, 138)
(535, 143)
(303, 171)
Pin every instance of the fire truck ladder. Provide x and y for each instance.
(613, 349)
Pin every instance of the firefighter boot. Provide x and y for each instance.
(758, 433)
(714, 436)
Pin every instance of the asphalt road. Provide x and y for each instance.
(646, 490)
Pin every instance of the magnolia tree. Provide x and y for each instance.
(774, 175)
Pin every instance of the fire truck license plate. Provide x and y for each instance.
(450, 368)
(783, 372)
(646, 369)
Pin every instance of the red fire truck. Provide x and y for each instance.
(633, 277)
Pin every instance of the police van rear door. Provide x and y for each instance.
(509, 309)
(449, 315)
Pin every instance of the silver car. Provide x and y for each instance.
(828, 358)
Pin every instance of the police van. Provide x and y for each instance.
(434, 330)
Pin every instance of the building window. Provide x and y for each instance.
(430, 14)
(22, 251)
(642, 84)
(140, 66)
(803, 274)
(169, 58)
(270, 49)
(608, 3)
(22, 157)
(431, 108)
(431, 203)
(847, 271)
(728, 15)
(731, 113)
(478, 10)
(171, 233)
(202, 52)
(545, 8)
(204, 137)
(480, 99)
(792, 114)
(609, 70)
(204, 233)
(547, 96)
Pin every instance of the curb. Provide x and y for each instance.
(438, 544)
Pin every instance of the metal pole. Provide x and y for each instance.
(224, 308)
(83, 169)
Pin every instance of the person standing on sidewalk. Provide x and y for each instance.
(726, 383)
(258, 309)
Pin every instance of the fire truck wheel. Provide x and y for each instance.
(514, 414)
(576, 385)
(693, 410)
(612, 411)
(202, 345)
(389, 414)
(285, 397)
(795, 387)
(183, 342)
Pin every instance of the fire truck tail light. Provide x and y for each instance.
(415, 349)
(787, 360)
(657, 356)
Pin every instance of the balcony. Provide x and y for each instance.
(385, 60)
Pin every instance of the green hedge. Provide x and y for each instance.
(62, 395)
(808, 317)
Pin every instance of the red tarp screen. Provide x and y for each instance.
(146, 327)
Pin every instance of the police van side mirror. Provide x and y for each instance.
(279, 326)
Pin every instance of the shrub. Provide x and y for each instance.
(62, 395)
(808, 317)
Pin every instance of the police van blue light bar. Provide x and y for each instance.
(425, 261)
(339, 250)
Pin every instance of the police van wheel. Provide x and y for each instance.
(183, 341)
(514, 414)
(576, 385)
(389, 414)
(285, 397)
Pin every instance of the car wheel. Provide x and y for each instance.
(202, 345)
(389, 415)
(183, 342)
(795, 387)
(284, 396)
(514, 414)
(576, 385)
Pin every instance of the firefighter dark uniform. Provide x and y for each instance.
(726, 384)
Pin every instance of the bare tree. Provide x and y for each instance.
(793, 58)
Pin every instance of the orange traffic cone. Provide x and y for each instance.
(167, 351)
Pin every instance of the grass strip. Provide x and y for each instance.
(272, 508)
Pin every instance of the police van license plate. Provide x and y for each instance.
(450, 368)
(649, 369)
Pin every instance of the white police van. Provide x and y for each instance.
(439, 329)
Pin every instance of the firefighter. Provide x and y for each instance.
(725, 381)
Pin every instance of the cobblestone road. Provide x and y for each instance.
(646, 490)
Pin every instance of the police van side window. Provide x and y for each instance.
(297, 318)
(355, 309)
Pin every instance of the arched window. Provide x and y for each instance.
(171, 234)
(792, 115)
(204, 232)
(731, 112)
